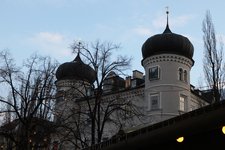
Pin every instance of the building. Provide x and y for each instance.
(161, 93)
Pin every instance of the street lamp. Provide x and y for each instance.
(180, 139)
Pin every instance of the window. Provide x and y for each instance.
(154, 73)
(88, 92)
(182, 103)
(154, 101)
(185, 75)
(180, 74)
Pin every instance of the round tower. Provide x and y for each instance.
(167, 60)
(74, 81)
(74, 76)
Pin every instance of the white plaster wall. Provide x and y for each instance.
(168, 86)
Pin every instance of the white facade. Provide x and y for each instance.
(168, 90)
(170, 87)
(165, 91)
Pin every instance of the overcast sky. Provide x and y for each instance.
(48, 27)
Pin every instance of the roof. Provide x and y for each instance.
(167, 43)
(76, 70)
(200, 128)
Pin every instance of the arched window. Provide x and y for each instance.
(185, 75)
(180, 74)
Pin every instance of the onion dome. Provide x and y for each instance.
(167, 43)
(76, 70)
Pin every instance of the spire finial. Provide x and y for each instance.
(167, 30)
(78, 53)
(167, 13)
(79, 47)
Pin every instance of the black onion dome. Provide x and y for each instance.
(77, 70)
(167, 43)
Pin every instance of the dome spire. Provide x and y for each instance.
(79, 47)
(167, 30)
(76, 69)
(78, 59)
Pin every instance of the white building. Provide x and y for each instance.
(164, 91)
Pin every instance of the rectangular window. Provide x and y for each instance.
(154, 101)
(154, 73)
(182, 103)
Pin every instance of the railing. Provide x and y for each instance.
(126, 136)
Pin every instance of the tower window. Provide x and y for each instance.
(182, 102)
(154, 73)
(185, 75)
(154, 101)
(180, 74)
(88, 92)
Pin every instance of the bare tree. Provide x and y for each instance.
(97, 110)
(99, 59)
(213, 58)
(32, 91)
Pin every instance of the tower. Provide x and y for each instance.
(167, 60)
(74, 74)
(74, 80)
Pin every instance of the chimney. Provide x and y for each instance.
(137, 74)
(128, 82)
